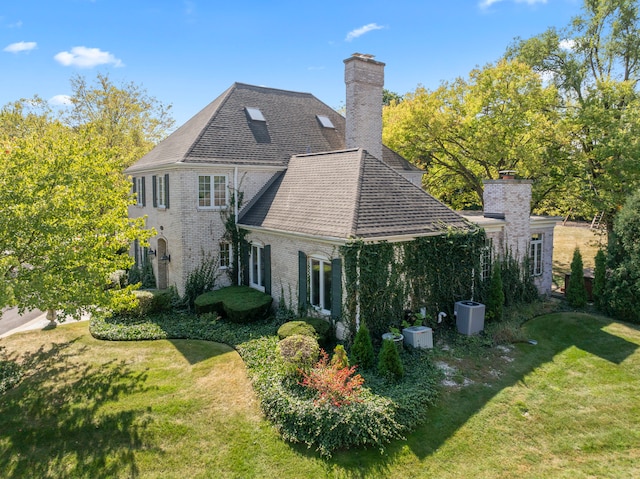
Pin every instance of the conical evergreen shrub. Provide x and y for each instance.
(576, 293)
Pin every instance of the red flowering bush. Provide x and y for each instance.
(335, 385)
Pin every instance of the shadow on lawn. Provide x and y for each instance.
(70, 428)
(554, 333)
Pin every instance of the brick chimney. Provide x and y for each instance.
(510, 199)
(364, 79)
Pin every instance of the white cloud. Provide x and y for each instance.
(60, 100)
(84, 57)
(488, 3)
(567, 44)
(20, 47)
(358, 32)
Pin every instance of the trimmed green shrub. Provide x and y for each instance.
(388, 410)
(576, 293)
(316, 327)
(146, 302)
(340, 359)
(495, 296)
(298, 352)
(362, 349)
(389, 362)
(298, 327)
(239, 304)
(322, 327)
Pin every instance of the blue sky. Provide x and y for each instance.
(187, 52)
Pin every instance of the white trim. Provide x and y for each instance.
(322, 260)
(259, 284)
(212, 192)
(180, 165)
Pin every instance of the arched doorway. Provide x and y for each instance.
(163, 264)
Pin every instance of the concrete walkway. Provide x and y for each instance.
(40, 321)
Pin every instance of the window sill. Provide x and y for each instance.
(255, 286)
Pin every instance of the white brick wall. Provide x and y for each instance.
(364, 79)
(188, 230)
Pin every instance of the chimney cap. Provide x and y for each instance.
(507, 174)
(366, 57)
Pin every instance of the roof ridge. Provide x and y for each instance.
(262, 87)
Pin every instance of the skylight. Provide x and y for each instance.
(325, 121)
(255, 114)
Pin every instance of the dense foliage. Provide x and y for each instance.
(495, 295)
(576, 293)
(501, 118)
(362, 348)
(64, 226)
(240, 304)
(389, 362)
(335, 383)
(623, 283)
(595, 65)
(600, 280)
(298, 352)
(383, 280)
(387, 410)
(201, 279)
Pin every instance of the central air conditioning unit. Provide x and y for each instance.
(419, 337)
(469, 317)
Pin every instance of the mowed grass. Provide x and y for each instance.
(567, 407)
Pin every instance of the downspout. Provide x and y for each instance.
(235, 217)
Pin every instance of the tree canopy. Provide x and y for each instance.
(501, 118)
(595, 64)
(64, 226)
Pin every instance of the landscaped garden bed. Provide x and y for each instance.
(387, 409)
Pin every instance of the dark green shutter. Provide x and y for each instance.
(244, 255)
(302, 282)
(166, 190)
(266, 257)
(144, 192)
(134, 185)
(154, 184)
(336, 289)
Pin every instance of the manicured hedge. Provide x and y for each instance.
(239, 304)
(147, 301)
(316, 327)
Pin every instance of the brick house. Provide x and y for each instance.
(311, 180)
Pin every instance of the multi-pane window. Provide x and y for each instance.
(224, 260)
(536, 254)
(161, 189)
(256, 266)
(320, 284)
(140, 193)
(212, 191)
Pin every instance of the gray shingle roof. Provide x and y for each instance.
(223, 133)
(347, 194)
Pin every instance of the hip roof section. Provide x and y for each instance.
(347, 194)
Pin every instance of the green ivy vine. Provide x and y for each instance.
(234, 235)
(386, 279)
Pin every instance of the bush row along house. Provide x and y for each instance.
(310, 181)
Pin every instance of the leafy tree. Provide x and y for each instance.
(125, 116)
(390, 96)
(576, 293)
(623, 284)
(501, 118)
(64, 226)
(595, 64)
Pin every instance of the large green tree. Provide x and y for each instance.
(501, 118)
(595, 64)
(124, 115)
(64, 226)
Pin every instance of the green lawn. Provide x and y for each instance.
(567, 407)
